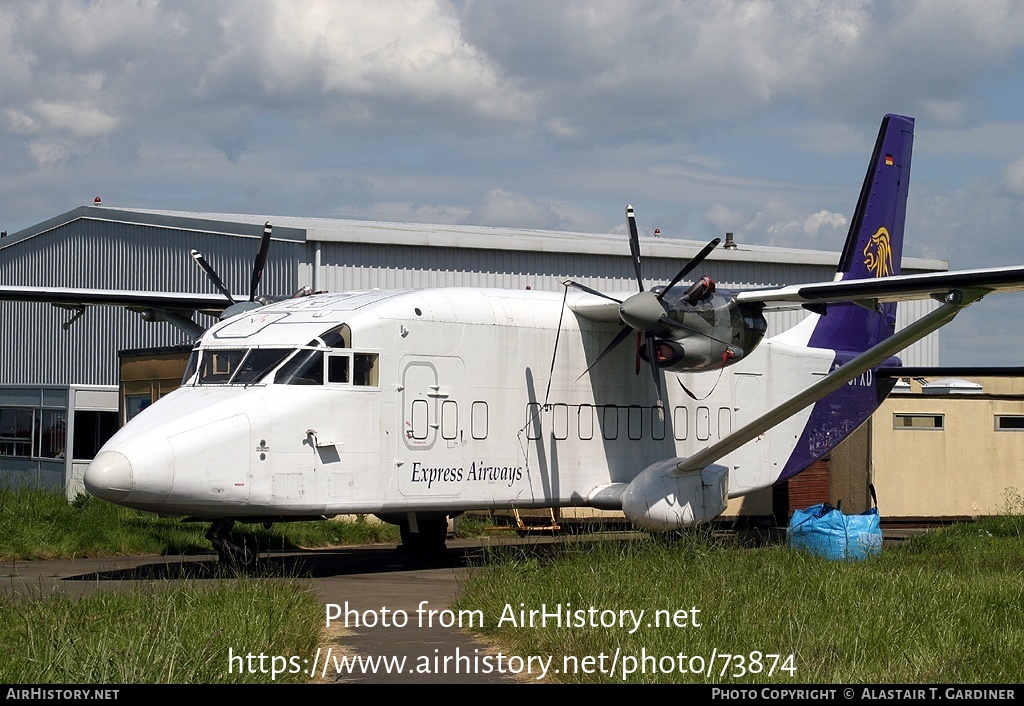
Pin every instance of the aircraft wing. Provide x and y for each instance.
(890, 289)
(171, 301)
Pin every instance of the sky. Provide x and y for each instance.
(754, 117)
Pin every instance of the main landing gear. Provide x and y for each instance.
(235, 550)
(422, 535)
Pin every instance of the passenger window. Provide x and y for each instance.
(419, 420)
(479, 420)
(560, 421)
(634, 422)
(680, 420)
(449, 419)
(610, 422)
(533, 421)
(586, 422)
(703, 423)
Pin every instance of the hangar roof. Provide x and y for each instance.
(302, 229)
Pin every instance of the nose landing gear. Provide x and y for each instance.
(235, 550)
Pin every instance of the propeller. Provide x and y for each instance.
(261, 261)
(257, 274)
(645, 312)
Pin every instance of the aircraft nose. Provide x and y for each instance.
(109, 476)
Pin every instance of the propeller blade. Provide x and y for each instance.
(652, 360)
(261, 261)
(588, 290)
(205, 266)
(688, 267)
(619, 338)
(634, 246)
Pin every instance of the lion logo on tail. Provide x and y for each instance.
(878, 254)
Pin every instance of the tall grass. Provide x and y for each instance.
(179, 633)
(41, 524)
(946, 607)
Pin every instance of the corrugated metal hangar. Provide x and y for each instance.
(134, 249)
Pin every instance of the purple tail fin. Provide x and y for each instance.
(874, 246)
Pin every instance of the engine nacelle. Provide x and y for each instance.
(712, 332)
(660, 501)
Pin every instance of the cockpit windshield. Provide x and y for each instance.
(306, 368)
(239, 366)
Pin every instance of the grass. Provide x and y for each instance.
(173, 633)
(946, 607)
(41, 524)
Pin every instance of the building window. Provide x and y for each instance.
(917, 421)
(92, 429)
(16, 431)
(53, 434)
(133, 404)
(1010, 422)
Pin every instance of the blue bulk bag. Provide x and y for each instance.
(824, 530)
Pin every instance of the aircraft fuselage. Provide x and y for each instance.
(433, 400)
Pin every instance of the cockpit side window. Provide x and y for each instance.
(364, 369)
(306, 368)
(218, 365)
(338, 368)
(338, 337)
(190, 368)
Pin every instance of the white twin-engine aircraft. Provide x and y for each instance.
(416, 405)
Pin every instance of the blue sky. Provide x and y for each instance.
(755, 117)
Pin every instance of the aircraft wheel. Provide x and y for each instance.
(242, 552)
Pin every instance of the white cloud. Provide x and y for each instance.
(721, 218)
(316, 51)
(1014, 177)
(498, 207)
(79, 120)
